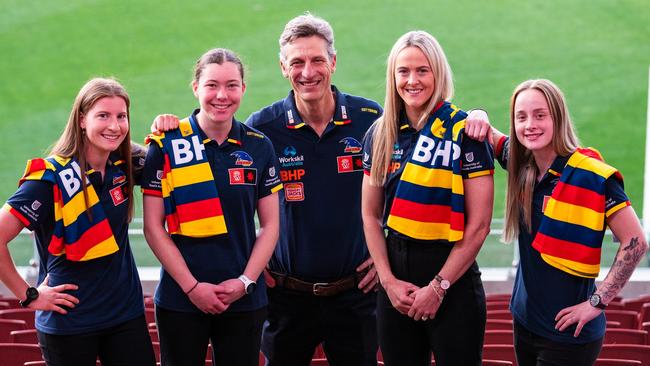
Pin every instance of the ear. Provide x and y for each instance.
(333, 63)
(82, 121)
(284, 69)
(195, 88)
(243, 87)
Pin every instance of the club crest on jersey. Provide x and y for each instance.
(242, 158)
(351, 145)
(36, 204)
(119, 179)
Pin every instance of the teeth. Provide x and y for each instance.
(309, 83)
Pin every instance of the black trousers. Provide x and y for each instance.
(184, 337)
(298, 322)
(455, 334)
(126, 344)
(533, 350)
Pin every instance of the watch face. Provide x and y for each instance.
(251, 287)
(594, 300)
(444, 284)
(31, 293)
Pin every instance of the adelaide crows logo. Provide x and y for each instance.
(351, 145)
(242, 158)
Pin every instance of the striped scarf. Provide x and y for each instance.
(571, 231)
(76, 234)
(192, 204)
(429, 201)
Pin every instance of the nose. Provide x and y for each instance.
(113, 124)
(221, 93)
(412, 79)
(308, 70)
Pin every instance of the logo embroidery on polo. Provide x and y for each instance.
(117, 195)
(352, 145)
(242, 158)
(291, 158)
(349, 163)
(119, 179)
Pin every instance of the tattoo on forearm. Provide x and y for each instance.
(625, 262)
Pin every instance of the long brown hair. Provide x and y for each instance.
(522, 168)
(386, 129)
(73, 142)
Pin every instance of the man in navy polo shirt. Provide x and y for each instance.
(321, 277)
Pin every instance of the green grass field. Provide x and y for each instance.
(596, 51)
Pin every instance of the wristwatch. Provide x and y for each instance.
(249, 285)
(30, 295)
(444, 284)
(596, 301)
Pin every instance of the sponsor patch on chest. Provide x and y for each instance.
(349, 163)
(238, 176)
(117, 195)
(294, 192)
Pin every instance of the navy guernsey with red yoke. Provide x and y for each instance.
(245, 170)
(476, 159)
(321, 232)
(109, 290)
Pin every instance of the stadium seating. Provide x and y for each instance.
(625, 336)
(498, 336)
(627, 318)
(28, 315)
(615, 362)
(504, 352)
(493, 324)
(27, 336)
(9, 325)
(13, 354)
(497, 305)
(626, 352)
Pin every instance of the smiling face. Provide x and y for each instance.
(106, 125)
(309, 68)
(219, 90)
(414, 81)
(533, 122)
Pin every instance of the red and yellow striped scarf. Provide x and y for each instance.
(571, 231)
(192, 204)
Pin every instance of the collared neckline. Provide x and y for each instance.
(294, 121)
(234, 135)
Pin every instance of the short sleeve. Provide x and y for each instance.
(32, 203)
(270, 182)
(477, 158)
(615, 197)
(367, 150)
(153, 171)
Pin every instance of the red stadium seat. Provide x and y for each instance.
(615, 305)
(28, 315)
(498, 336)
(636, 303)
(644, 314)
(9, 325)
(497, 305)
(615, 362)
(496, 363)
(499, 314)
(27, 336)
(17, 354)
(627, 318)
(613, 324)
(319, 362)
(498, 297)
(493, 324)
(505, 352)
(156, 350)
(625, 336)
(13, 302)
(153, 333)
(150, 315)
(626, 352)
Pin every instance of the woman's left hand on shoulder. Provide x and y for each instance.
(237, 292)
(579, 314)
(425, 303)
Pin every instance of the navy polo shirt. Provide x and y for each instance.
(321, 232)
(217, 258)
(476, 160)
(541, 290)
(109, 287)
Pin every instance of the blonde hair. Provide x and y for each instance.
(73, 141)
(522, 169)
(386, 127)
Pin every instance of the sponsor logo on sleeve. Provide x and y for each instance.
(36, 205)
(159, 174)
(294, 192)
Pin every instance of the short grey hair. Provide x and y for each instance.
(307, 25)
